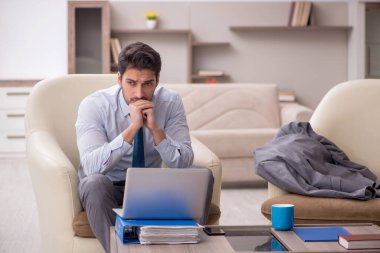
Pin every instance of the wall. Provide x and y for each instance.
(33, 40)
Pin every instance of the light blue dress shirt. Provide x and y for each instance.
(104, 115)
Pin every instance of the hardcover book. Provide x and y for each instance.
(360, 241)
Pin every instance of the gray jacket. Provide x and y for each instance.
(300, 161)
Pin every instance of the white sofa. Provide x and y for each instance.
(233, 120)
(53, 160)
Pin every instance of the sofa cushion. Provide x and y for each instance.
(82, 228)
(230, 106)
(326, 210)
(235, 143)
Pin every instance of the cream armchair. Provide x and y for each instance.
(348, 115)
(53, 159)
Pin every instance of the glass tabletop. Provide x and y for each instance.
(252, 238)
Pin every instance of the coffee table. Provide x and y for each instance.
(246, 239)
(237, 239)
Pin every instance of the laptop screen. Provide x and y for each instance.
(160, 193)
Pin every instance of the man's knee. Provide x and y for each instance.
(95, 187)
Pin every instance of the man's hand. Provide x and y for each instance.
(139, 112)
(142, 113)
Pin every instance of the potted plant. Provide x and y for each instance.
(151, 19)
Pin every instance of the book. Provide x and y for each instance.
(210, 73)
(360, 241)
(115, 49)
(320, 234)
(296, 13)
(300, 13)
(306, 14)
(157, 231)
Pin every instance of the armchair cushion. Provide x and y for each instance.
(308, 210)
(82, 228)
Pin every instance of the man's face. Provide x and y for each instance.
(137, 84)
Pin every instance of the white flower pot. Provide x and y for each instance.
(151, 23)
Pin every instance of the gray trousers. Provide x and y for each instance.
(99, 195)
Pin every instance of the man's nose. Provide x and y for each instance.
(139, 92)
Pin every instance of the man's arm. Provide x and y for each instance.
(175, 149)
(97, 154)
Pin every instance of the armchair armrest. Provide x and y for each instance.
(204, 157)
(294, 112)
(55, 184)
(274, 191)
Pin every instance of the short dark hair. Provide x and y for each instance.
(139, 56)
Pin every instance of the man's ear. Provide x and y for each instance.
(157, 79)
(119, 78)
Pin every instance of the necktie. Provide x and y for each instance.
(138, 150)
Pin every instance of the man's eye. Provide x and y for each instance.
(148, 84)
(131, 83)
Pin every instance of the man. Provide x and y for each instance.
(109, 126)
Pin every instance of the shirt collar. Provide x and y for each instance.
(123, 104)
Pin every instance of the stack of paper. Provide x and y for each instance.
(169, 234)
(157, 231)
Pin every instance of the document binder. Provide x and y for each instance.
(127, 230)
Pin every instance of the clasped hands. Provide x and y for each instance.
(142, 114)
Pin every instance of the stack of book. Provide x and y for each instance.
(300, 13)
(360, 241)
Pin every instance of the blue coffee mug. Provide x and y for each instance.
(282, 216)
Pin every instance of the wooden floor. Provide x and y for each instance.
(19, 229)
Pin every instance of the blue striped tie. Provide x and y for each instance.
(138, 150)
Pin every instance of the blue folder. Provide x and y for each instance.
(320, 234)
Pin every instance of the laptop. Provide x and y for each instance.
(162, 193)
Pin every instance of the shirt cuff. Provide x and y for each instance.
(119, 142)
(166, 145)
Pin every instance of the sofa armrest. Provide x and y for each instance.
(55, 184)
(294, 112)
(204, 157)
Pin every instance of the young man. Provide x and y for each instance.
(111, 125)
